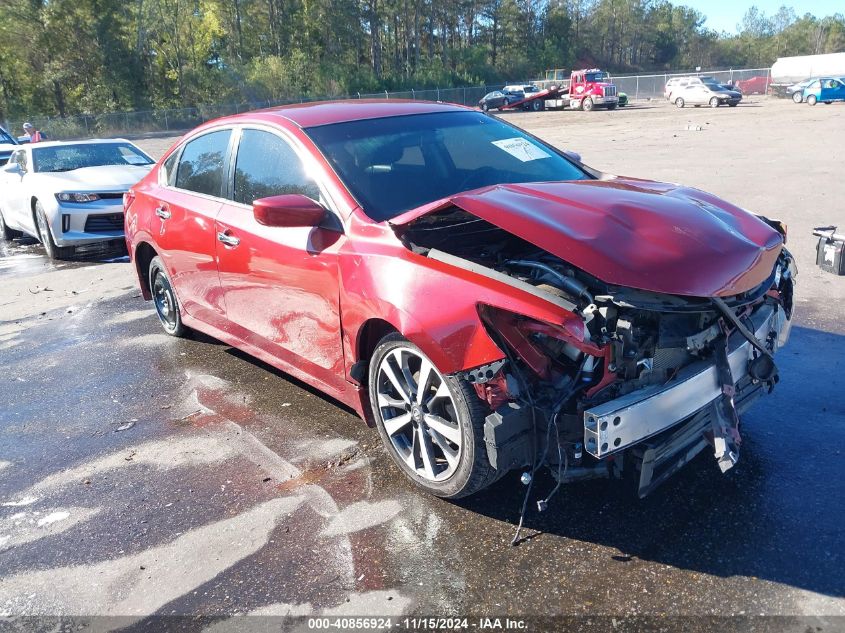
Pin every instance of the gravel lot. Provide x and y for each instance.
(142, 475)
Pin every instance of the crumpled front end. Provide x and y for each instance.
(628, 381)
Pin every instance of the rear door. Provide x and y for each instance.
(182, 223)
(281, 284)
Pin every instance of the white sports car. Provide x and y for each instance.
(69, 194)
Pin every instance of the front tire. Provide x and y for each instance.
(587, 104)
(432, 425)
(54, 251)
(714, 102)
(485, 107)
(797, 97)
(679, 102)
(167, 307)
(811, 100)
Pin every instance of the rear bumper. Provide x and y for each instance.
(626, 421)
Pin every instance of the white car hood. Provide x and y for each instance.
(105, 178)
(8, 147)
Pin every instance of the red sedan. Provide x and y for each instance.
(486, 301)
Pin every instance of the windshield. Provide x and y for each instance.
(5, 138)
(596, 77)
(70, 157)
(395, 164)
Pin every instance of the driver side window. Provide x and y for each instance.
(267, 166)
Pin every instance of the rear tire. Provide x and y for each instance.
(417, 447)
(166, 305)
(679, 102)
(537, 105)
(485, 107)
(54, 251)
(811, 100)
(6, 233)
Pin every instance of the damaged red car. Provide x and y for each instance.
(484, 299)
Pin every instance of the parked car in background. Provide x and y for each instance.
(796, 90)
(825, 89)
(699, 93)
(753, 86)
(427, 265)
(495, 100)
(675, 84)
(69, 194)
(8, 144)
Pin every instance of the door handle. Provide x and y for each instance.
(162, 212)
(229, 240)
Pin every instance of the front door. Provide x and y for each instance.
(280, 284)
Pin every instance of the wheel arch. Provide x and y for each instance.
(33, 201)
(143, 256)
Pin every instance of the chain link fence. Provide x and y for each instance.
(637, 87)
(641, 87)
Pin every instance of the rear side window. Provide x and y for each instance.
(267, 166)
(202, 164)
(169, 169)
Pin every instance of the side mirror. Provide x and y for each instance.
(288, 210)
(573, 155)
(14, 168)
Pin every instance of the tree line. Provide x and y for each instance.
(67, 57)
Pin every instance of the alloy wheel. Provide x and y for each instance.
(419, 414)
(165, 302)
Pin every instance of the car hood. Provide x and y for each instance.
(635, 233)
(8, 147)
(104, 178)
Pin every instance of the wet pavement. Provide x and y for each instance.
(141, 474)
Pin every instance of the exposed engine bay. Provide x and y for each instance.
(632, 382)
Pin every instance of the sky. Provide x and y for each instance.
(724, 15)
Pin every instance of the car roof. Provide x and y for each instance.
(318, 113)
(307, 115)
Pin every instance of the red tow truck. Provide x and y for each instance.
(584, 90)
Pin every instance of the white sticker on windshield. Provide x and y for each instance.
(134, 159)
(521, 149)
